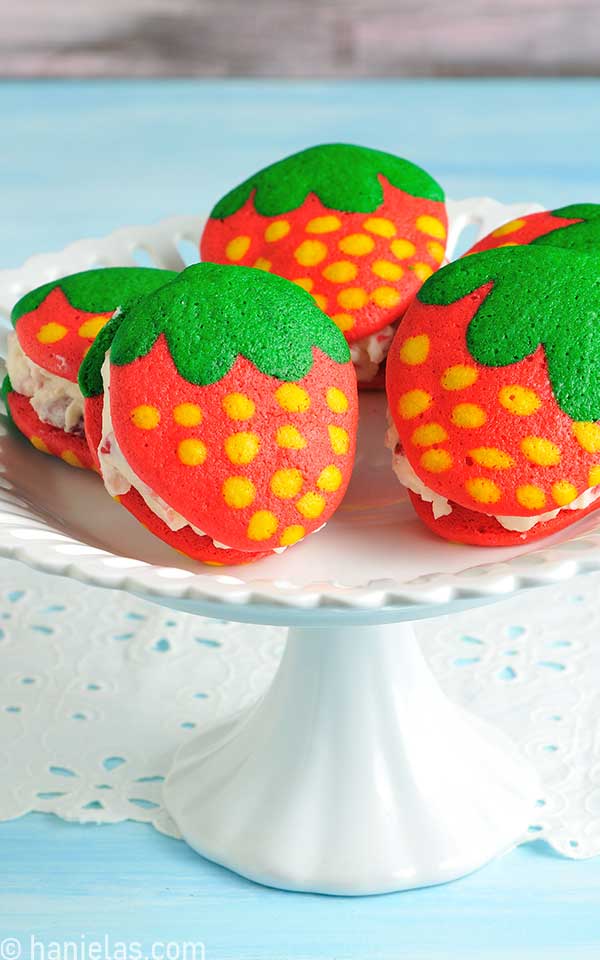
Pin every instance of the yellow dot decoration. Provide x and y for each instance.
(468, 415)
(292, 535)
(289, 438)
(507, 228)
(39, 444)
(342, 271)
(594, 476)
(403, 249)
(293, 398)
(238, 406)
(311, 505)
(413, 403)
(429, 434)
(339, 439)
(380, 226)
(145, 417)
(459, 377)
(540, 451)
(352, 298)
(387, 270)
(263, 525)
(483, 490)
(531, 497)
(336, 400)
(415, 350)
(323, 224)
(422, 270)
(436, 461)
(492, 458)
(277, 231)
(192, 452)
(70, 457)
(187, 414)
(310, 252)
(431, 226)
(237, 248)
(344, 321)
(307, 283)
(241, 448)
(262, 264)
(436, 251)
(587, 435)
(90, 329)
(385, 297)
(330, 479)
(519, 400)
(356, 244)
(238, 492)
(287, 483)
(320, 301)
(563, 492)
(51, 333)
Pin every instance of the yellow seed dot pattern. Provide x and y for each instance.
(192, 452)
(342, 271)
(70, 457)
(431, 226)
(237, 248)
(242, 447)
(413, 403)
(429, 434)
(387, 270)
(39, 444)
(145, 417)
(436, 461)
(380, 226)
(336, 400)
(238, 406)
(507, 228)
(330, 479)
(51, 332)
(415, 350)
(288, 437)
(469, 416)
(187, 414)
(356, 245)
(386, 297)
(492, 458)
(459, 377)
(540, 451)
(483, 490)
(587, 436)
(310, 252)
(263, 525)
(287, 483)
(563, 492)
(326, 224)
(292, 535)
(531, 496)
(521, 401)
(90, 329)
(345, 321)
(238, 492)
(311, 505)
(293, 398)
(339, 439)
(277, 230)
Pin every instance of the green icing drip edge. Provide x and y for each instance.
(343, 176)
(210, 315)
(583, 236)
(96, 291)
(539, 296)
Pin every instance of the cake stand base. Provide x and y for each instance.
(353, 775)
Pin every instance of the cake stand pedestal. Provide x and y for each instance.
(353, 775)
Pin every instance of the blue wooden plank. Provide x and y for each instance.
(80, 159)
(65, 881)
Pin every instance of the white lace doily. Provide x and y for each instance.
(98, 689)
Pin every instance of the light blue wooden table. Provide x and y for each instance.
(81, 159)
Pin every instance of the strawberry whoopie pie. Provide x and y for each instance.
(576, 227)
(358, 228)
(54, 328)
(222, 410)
(494, 395)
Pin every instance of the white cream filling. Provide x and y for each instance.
(55, 400)
(369, 352)
(119, 478)
(442, 507)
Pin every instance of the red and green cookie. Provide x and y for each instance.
(576, 227)
(494, 391)
(55, 325)
(233, 399)
(358, 228)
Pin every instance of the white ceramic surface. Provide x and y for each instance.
(374, 562)
(334, 782)
(353, 775)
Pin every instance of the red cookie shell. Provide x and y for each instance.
(480, 530)
(522, 231)
(70, 447)
(244, 453)
(185, 541)
(57, 336)
(242, 238)
(492, 439)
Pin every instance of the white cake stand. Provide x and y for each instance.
(354, 774)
